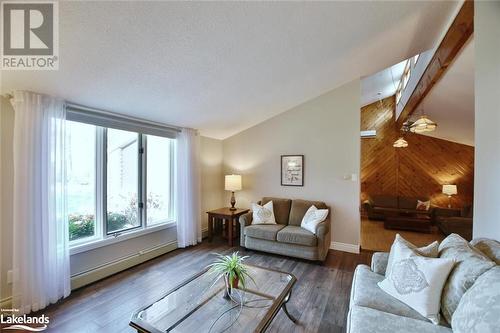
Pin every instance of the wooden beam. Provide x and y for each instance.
(457, 35)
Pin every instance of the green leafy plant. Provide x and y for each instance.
(81, 226)
(117, 221)
(231, 267)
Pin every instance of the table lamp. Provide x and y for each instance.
(449, 190)
(233, 183)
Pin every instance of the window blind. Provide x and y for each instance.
(107, 119)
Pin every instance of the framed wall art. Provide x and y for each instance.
(292, 170)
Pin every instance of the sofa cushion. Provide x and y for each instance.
(408, 203)
(489, 247)
(385, 201)
(479, 308)
(470, 264)
(365, 292)
(430, 251)
(299, 209)
(296, 235)
(281, 208)
(264, 231)
(263, 214)
(367, 320)
(416, 280)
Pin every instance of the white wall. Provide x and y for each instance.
(487, 153)
(325, 130)
(212, 179)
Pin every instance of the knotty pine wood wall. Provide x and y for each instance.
(419, 170)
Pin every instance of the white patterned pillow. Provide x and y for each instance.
(417, 281)
(430, 251)
(263, 214)
(312, 218)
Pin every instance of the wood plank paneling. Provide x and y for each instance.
(419, 170)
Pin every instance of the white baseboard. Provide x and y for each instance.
(6, 303)
(352, 248)
(87, 277)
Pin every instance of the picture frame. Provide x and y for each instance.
(292, 170)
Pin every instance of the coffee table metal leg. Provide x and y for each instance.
(283, 306)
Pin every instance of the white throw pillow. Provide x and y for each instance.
(312, 218)
(417, 281)
(429, 251)
(423, 205)
(263, 214)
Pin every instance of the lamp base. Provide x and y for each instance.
(233, 201)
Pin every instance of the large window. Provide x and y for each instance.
(118, 181)
(122, 181)
(81, 180)
(159, 183)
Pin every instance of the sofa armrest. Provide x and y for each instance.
(323, 228)
(324, 238)
(368, 205)
(245, 219)
(379, 262)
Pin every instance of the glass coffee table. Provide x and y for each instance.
(198, 304)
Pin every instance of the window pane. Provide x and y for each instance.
(122, 180)
(158, 179)
(81, 184)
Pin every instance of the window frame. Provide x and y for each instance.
(101, 235)
(415, 59)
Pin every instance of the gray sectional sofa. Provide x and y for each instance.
(470, 302)
(287, 237)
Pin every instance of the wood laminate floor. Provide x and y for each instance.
(320, 298)
(374, 237)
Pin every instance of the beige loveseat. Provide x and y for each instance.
(287, 237)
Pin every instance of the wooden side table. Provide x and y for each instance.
(226, 215)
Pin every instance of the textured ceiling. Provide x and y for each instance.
(222, 67)
(451, 102)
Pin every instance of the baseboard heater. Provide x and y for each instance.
(104, 270)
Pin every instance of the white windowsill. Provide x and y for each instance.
(79, 248)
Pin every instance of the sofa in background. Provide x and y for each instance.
(471, 296)
(380, 206)
(287, 237)
(458, 221)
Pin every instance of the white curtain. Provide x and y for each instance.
(40, 243)
(187, 188)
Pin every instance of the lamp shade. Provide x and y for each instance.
(233, 182)
(423, 124)
(449, 189)
(400, 143)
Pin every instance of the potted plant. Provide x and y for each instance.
(232, 270)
